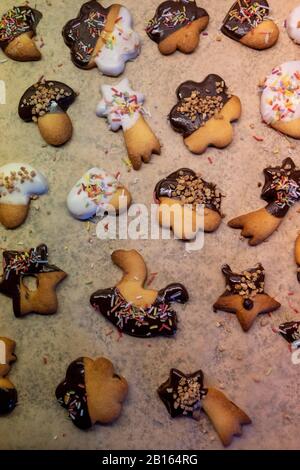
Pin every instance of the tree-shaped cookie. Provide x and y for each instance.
(281, 190)
(204, 113)
(8, 393)
(123, 108)
(186, 395)
(245, 295)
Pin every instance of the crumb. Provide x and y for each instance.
(268, 371)
(259, 185)
(256, 379)
(264, 322)
(45, 360)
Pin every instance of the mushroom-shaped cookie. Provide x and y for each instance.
(281, 191)
(19, 265)
(8, 393)
(18, 183)
(179, 195)
(132, 308)
(46, 103)
(248, 22)
(123, 108)
(293, 24)
(102, 37)
(185, 395)
(280, 99)
(17, 28)
(92, 392)
(97, 193)
(245, 295)
(204, 113)
(177, 25)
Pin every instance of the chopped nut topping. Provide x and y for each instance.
(45, 94)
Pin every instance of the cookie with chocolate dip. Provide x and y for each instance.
(245, 295)
(185, 395)
(92, 392)
(17, 28)
(8, 393)
(179, 196)
(204, 113)
(133, 309)
(281, 191)
(177, 25)
(249, 22)
(46, 103)
(19, 265)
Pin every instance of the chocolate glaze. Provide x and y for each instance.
(237, 26)
(171, 16)
(8, 400)
(17, 265)
(180, 121)
(170, 393)
(71, 394)
(55, 106)
(82, 33)
(282, 187)
(158, 319)
(22, 20)
(290, 331)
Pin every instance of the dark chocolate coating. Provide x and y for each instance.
(165, 21)
(82, 33)
(8, 400)
(23, 20)
(181, 122)
(236, 27)
(71, 394)
(158, 319)
(290, 331)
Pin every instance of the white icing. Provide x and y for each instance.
(13, 191)
(293, 25)
(280, 100)
(121, 45)
(92, 193)
(120, 105)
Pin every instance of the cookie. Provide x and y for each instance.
(178, 196)
(249, 22)
(8, 393)
(293, 24)
(17, 28)
(204, 113)
(123, 108)
(46, 103)
(297, 256)
(92, 392)
(280, 99)
(185, 395)
(133, 309)
(245, 295)
(177, 25)
(281, 191)
(290, 331)
(17, 266)
(97, 193)
(102, 37)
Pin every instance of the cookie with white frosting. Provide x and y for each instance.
(293, 25)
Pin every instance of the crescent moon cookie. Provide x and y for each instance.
(123, 108)
(293, 25)
(179, 195)
(133, 309)
(281, 191)
(8, 393)
(280, 99)
(92, 392)
(17, 28)
(245, 295)
(177, 25)
(186, 395)
(102, 37)
(46, 103)
(96, 193)
(204, 113)
(19, 182)
(249, 23)
(19, 265)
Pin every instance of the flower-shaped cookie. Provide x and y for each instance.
(204, 113)
(8, 393)
(102, 37)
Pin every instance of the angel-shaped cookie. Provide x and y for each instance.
(245, 295)
(8, 393)
(185, 395)
(281, 191)
(123, 108)
(204, 113)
